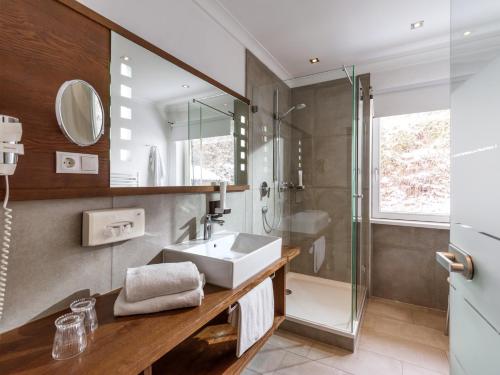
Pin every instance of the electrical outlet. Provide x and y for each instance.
(68, 162)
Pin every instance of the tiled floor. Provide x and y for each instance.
(396, 339)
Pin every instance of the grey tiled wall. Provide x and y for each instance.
(404, 266)
(49, 268)
(260, 86)
(324, 128)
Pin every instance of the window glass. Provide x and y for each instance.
(414, 164)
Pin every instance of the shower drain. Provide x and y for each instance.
(288, 292)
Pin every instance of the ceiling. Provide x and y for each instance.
(340, 31)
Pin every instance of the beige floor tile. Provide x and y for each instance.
(291, 359)
(247, 371)
(407, 331)
(267, 361)
(364, 362)
(269, 345)
(418, 354)
(320, 351)
(272, 360)
(310, 368)
(409, 369)
(429, 318)
(293, 343)
(389, 309)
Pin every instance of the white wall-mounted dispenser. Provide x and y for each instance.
(107, 226)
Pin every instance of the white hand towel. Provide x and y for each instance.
(318, 250)
(156, 280)
(152, 305)
(156, 166)
(254, 315)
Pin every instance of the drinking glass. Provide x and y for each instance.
(70, 339)
(87, 307)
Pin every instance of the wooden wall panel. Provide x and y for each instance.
(42, 45)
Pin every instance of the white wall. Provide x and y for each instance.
(148, 128)
(412, 100)
(411, 88)
(184, 30)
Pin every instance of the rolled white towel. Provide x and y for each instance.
(170, 302)
(161, 279)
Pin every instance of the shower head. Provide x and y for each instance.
(295, 107)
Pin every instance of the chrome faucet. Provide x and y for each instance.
(207, 224)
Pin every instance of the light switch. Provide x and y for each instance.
(90, 163)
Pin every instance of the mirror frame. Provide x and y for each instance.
(59, 115)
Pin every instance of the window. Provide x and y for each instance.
(411, 165)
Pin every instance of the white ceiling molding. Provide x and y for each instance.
(414, 86)
(227, 21)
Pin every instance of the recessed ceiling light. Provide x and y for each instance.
(185, 86)
(314, 60)
(225, 104)
(125, 58)
(417, 25)
(467, 33)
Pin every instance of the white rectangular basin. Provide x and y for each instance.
(229, 258)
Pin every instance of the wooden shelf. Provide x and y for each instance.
(65, 193)
(128, 345)
(195, 357)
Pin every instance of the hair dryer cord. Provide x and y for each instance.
(4, 252)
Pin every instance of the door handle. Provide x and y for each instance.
(456, 260)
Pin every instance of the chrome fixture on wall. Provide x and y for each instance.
(279, 185)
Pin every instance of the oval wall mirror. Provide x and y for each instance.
(79, 112)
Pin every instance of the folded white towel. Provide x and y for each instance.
(254, 315)
(156, 280)
(162, 303)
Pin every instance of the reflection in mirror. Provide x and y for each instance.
(169, 127)
(79, 112)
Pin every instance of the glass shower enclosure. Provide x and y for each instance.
(318, 129)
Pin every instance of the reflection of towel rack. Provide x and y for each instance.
(124, 180)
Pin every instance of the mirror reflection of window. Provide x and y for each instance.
(176, 129)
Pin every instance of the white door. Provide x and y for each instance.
(475, 186)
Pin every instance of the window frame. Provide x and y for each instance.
(375, 193)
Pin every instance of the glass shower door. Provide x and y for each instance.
(323, 216)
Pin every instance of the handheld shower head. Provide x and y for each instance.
(295, 107)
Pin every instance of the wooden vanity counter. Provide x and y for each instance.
(131, 345)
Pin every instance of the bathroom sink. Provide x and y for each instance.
(229, 258)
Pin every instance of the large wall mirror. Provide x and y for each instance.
(170, 127)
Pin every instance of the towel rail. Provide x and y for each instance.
(232, 307)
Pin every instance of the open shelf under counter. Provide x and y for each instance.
(133, 344)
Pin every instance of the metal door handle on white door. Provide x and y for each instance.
(456, 261)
